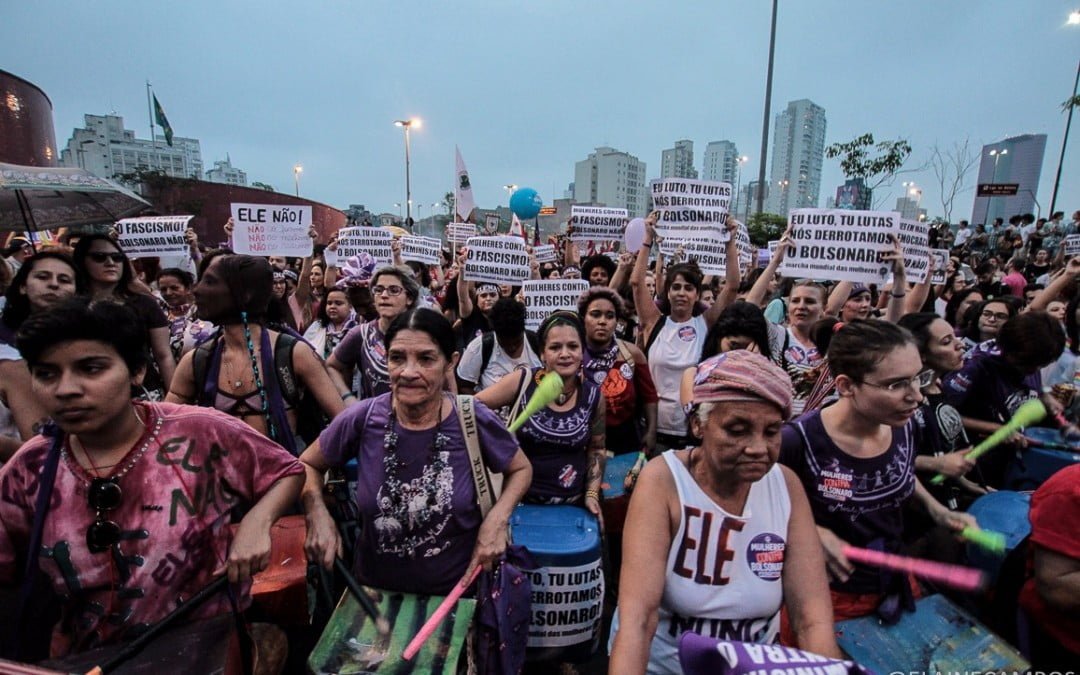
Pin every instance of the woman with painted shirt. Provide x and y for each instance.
(621, 371)
(186, 329)
(108, 273)
(363, 348)
(43, 280)
(335, 320)
(674, 339)
(564, 441)
(720, 536)
(998, 377)
(856, 460)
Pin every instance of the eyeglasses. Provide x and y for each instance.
(101, 257)
(998, 316)
(919, 382)
(104, 495)
(392, 291)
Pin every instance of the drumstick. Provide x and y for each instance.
(1027, 414)
(440, 613)
(956, 576)
(988, 539)
(366, 604)
(547, 391)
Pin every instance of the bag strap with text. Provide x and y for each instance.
(485, 491)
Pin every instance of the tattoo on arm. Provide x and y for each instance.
(597, 459)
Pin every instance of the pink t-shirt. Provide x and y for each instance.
(1016, 283)
(179, 482)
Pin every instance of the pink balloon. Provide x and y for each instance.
(634, 235)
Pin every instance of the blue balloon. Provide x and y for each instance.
(525, 203)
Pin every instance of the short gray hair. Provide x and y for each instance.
(405, 276)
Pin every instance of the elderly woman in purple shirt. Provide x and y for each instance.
(421, 526)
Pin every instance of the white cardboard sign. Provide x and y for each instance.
(941, 262)
(915, 243)
(499, 260)
(597, 223)
(691, 209)
(459, 233)
(272, 229)
(566, 604)
(544, 297)
(1072, 244)
(157, 236)
(545, 253)
(424, 250)
(840, 245)
(374, 240)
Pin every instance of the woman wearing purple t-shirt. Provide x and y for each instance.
(421, 526)
(856, 459)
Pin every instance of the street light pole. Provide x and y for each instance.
(996, 154)
(738, 180)
(509, 192)
(406, 125)
(1068, 123)
(297, 170)
(765, 117)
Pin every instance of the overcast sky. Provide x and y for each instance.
(526, 89)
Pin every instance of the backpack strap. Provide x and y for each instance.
(200, 366)
(534, 341)
(487, 493)
(655, 332)
(625, 353)
(283, 366)
(487, 348)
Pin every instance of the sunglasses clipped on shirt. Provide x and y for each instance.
(100, 257)
(103, 496)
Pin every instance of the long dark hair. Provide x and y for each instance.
(424, 320)
(739, 318)
(18, 307)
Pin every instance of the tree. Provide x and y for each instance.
(448, 198)
(765, 227)
(951, 168)
(878, 170)
(1071, 102)
(263, 186)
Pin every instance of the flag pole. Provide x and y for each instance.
(150, 113)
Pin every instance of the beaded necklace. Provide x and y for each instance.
(402, 506)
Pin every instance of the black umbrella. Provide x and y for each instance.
(35, 198)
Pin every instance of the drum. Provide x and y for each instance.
(937, 636)
(280, 590)
(1005, 512)
(1050, 453)
(568, 586)
(616, 501)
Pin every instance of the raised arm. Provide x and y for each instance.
(648, 314)
(465, 303)
(757, 294)
(732, 277)
(895, 310)
(622, 272)
(1056, 287)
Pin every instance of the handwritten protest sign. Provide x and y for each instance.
(597, 223)
(424, 250)
(840, 245)
(545, 253)
(154, 236)
(500, 260)
(458, 233)
(544, 297)
(915, 243)
(691, 209)
(1072, 244)
(374, 240)
(941, 262)
(272, 229)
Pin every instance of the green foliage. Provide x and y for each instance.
(263, 186)
(856, 160)
(765, 227)
(1071, 102)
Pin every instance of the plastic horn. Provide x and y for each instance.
(440, 613)
(987, 539)
(955, 576)
(1027, 414)
(547, 391)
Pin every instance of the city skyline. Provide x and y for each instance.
(281, 87)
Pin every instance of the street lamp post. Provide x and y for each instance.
(738, 179)
(296, 171)
(509, 192)
(433, 225)
(406, 125)
(760, 197)
(996, 154)
(1074, 18)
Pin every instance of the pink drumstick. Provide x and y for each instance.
(440, 613)
(956, 576)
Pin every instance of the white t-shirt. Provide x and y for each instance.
(962, 235)
(498, 365)
(677, 347)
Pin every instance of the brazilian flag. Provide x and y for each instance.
(162, 121)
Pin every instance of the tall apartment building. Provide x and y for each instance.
(909, 208)
(798, 154)
(678, 162)
(225, 172)
(720, 162)
(612, 178)
(1017, 159)
(105, 148)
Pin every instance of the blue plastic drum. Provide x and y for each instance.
(568, 588)
(1005, 512)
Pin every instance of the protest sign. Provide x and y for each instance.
(711, 256)
(272, 229)
(544, 297)
(597, 223)
(491, 223)
(691, 209)
(915, 243)
(374, 240)
(458, 233)
(545, 253)
(566, 604)
(941, 262)
(840, 245)
(424, 250)
(155, 236)
(500, 260)
(1072, 244)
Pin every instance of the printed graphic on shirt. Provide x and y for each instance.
(704, 550)
(687, 334)
(415, 529)
(765, 556)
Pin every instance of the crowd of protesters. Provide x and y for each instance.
(810, 411)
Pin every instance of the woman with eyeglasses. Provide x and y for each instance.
(109, 277)
(127, 504)
(985, 320)
(363, 348)
(856, 460)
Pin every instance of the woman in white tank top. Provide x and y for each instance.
(719, 536)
